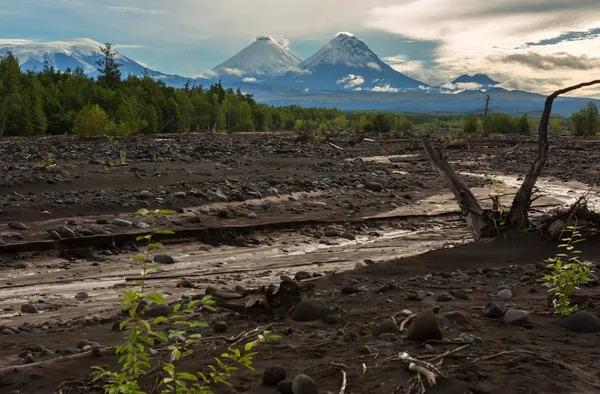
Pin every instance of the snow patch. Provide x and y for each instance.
(344, 33)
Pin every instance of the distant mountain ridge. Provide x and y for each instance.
(77, 53)
(344, 73)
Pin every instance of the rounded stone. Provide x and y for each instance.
(273, 375)
(285, 387)
(303, 384)
(424, 327)
(581, 323)
(220, 326)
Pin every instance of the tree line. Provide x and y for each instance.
(50, 101)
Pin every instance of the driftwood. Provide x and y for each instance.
(266, 300)
(518, 215)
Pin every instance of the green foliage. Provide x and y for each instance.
(93, 121)
(499, 211)
(557, 123)
(108, 67)
(141, 334)
(567, 272)
(524, 127)
(471, 124)
(586, 122)
(47, 165)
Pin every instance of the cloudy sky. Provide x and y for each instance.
(538, 45)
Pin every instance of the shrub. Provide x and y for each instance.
(93, 121)
(586, 122)
(567, 272)
(523, 125)
(471, 124)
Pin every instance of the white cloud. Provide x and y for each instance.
(374, 66)
(233, 71)
(472, 36)
(351, 81)
(136, 10)
(284, 42)
(249, 79)
(385, 89)
(127, 46)
(462, 86)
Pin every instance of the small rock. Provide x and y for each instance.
(348, 236)
(492, 311)
(224, 213)
(273, 375)
(309, 310)
(302, 275)
(252, 215)
(304, 385)
(157, 310)
(285, 387)
(66, 232)
(28, 359)
(516, 316)
(145, 195)
(179, 194)
(7, 331)
(387, 327)
(54, 235)
(220, 326)
(86, 342)
(28, 308)
(141, 225)
(457, 317)
(17, 226)
(122, 223)
(444, 297)
(374, 186)
(505, 294)
(424, 327)
(360, 265)
(163, 259)
(82, 295)
(460, 294)
(581, 322)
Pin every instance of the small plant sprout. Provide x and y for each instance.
(499, 210)
(567, 272)
(179, 331)
(47, 165)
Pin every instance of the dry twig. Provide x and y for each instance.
(343, 389)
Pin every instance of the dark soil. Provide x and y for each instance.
(226, 180)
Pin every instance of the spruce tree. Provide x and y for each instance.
(108, 67)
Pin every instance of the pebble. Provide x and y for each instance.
(122, 223)
(65, 232)
(505, 294)
(224, 213)
(309, 310)
(7, 331)
(28, 308)
(460, 294)
(374, 186)
(86, 342)
(28, 359)
(387, 327)
(360, 265)
(302, 275)
(220, 326)
(516, 316)
(17, 226)
(273, 375)
(179, 195)
(82, 295)
(444, 297)
(492, 311)
(163, 259)
(157, 310)
(457, 317)
(145, 194)
(285, 387)
(581, 323)
(141, 225)
(96, 229)
(424, 327)
(304, 385)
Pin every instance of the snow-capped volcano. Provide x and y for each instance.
(347, 63)
(345, 50)
(74, 53)
(264, 58)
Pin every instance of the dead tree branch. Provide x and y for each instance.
(467, 202)
(518, 215)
